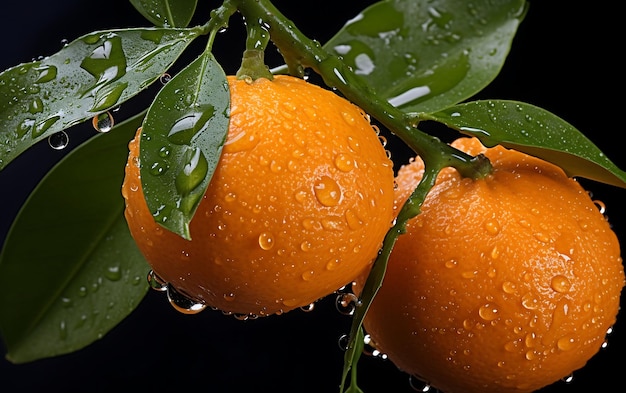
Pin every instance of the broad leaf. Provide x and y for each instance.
(69, 269)
(183, 134)
(427, 55)
(89, 76)
(166, 13)
(535, 131)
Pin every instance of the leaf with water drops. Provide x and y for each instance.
(427, 55)
(89, 76)
(166, 13)
(534, 131)
(69, 269)
(183, 134)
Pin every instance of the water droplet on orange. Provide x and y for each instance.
(354, 144)
(529, 301)
(327, 191)
(542, 237)
(489, 311)
(492, 227)
(354, 221)
(300, 196)
(348, 118)
(566, 343)
(344, 162)
(560, 283)
(508, 287)
(266, 241)
(451, 263)
(305, 246)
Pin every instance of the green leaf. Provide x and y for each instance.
(425, 55)
(166, 13)
(89, 76)
(69, 269)
(534, 131)
(182, 140)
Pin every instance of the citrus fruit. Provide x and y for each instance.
(502, 284)
(297, 207)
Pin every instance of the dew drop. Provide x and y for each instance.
(308, 307)
(492, 227)
(348, 118)
(305, 246)
(113, 273)
(155, 282)
(508, 287)
(290, 302)
(327, 191)
(489, 311)
(63, 330)
(469, 274)
(332, 264)
(418, 385)
(566, 343)
(59, 140)
(542, 237)
(165, 78)
(46, 74)
(344, 342)
(300, 196)
(193, 172)
(103, 122)
(452, 263)
(36, 106)
(347, 303)
(229, 297)
(344, 163)
(529, 301)
(560, 283)
(354, 144)
(354, 222)
(601, 206)
(183, 303)
(308, 275)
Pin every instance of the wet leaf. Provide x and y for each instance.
(69, 269)
(89, 76)
(166, 13)
(535, 131)
(183, 134)
(427, 55)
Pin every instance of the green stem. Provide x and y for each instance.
(253, 62)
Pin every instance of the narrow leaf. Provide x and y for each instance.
(69, 269)
(425, 55)
(182, 140)
(89, 76)
(166, 13)
(535, 131)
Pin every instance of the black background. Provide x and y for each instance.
(563, 59)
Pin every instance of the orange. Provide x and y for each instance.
(503, 284)
(298, 206)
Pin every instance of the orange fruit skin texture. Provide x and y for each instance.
(504, 284)
(297, 208)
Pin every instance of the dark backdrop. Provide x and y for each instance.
(564, 59)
